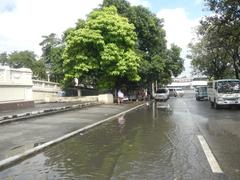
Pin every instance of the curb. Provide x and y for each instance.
(11, 160)
(27, 115)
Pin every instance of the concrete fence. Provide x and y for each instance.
(17, 89)
(44, 90)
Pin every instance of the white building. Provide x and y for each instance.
(188, 83)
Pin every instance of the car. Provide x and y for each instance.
(201, 93)
(179, 92)
(162, 94)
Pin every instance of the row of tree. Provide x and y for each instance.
(117, 44)
(217, 50)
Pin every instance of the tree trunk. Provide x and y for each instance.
(235, 66)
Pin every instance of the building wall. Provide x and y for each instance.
(15, 84)
(17, 89)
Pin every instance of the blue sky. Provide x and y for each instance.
(24, 22)
(193, 7)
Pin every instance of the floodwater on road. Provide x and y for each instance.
(149, 143)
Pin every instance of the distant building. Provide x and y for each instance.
(199, 81)
(188, 83)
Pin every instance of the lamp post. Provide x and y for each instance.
(48, 75)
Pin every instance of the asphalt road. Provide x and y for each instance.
(221, 129)
(19, 136)
(186, 140)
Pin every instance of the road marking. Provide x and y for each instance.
(210, 157)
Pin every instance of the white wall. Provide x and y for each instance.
(15, 84)
(44, 90)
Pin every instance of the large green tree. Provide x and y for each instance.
(151, 43)
(123, 6)
(217, 51)
(102, 50)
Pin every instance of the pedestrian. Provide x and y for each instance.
(120, 96)
(145, 95)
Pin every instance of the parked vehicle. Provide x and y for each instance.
(176, 92)
(179, 92)
(201, 93)
(224, 92)
(162, 94)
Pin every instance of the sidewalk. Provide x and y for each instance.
(41, 109)
(18, 137)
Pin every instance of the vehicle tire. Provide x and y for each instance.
(197, 98)
(216, 106)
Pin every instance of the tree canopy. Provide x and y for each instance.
(52, 48)
(102, 51)
(217, 50)
(156, 61)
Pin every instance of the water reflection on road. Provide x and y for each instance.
(149, 143)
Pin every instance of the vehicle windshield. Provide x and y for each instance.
(202, 89)
(228, 87)
(161, 91)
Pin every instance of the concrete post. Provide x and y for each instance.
(79, 92)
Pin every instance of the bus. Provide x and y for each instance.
(224, 92)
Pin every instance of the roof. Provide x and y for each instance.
(227, 80)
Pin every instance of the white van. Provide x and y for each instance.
(224, 92)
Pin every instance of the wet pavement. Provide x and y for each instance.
(40, 109)
(149, 143)
(40, 106)
(19, 136)
(221, 128)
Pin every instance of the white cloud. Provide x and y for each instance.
(24, 22)
(23, 27)
(179, 30)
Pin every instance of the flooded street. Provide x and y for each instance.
(152, 142)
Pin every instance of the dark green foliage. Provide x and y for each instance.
(22, 59)
(175, 62)
(156, 62)
(217, 53)
(52, 48)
